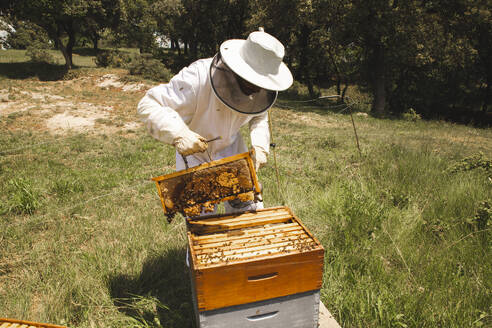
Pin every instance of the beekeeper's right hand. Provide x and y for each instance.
(188, 142)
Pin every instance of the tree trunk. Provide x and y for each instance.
(484, 53)
(194, 49)
(310, 86)
(175, 44)
(378, 80)
(486, 98)
(70, 43)
(65, 49)
(338, 76)
(379, 102)
(343, 93)
(304, 63)
(95, 42)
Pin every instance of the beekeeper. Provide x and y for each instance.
(215, 97)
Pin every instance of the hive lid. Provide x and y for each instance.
(197, 189)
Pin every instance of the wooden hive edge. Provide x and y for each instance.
(240, 218)
(269, 257)
(28, 323)
(201, 228)
(214, 216)
(295, 218)
(202, 166)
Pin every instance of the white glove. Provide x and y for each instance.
(189, 142)
(259, 157)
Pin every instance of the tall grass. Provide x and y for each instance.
(405, 225)
(404, 246)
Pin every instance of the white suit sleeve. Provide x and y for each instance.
(259, 132)
(166, 109)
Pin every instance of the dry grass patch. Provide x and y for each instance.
(94, 103)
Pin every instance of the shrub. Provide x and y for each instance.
(476, 161)
(150, 68)
(172, 60)
(411, 115)
(39, 55)
(483, 217)
(112, 58)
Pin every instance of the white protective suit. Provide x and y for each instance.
(188, 100)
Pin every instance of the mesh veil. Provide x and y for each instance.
(227, 89)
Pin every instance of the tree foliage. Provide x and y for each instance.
(431, 56)
(137, 24)
(27, 35)
(63, 20)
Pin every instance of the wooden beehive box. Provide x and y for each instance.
(197, 189)
(244, 257)
(13, 323)
(252, 256)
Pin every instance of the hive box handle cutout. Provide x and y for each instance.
(262, 316)
(262, 277)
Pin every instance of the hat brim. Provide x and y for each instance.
(229, 51)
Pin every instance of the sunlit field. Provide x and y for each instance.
(405, 222)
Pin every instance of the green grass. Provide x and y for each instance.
(405, 226)
(19, 56)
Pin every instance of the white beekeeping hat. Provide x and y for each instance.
(246, 75)
(258, 60)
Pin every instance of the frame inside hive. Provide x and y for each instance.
(197, 189)
(250, 236)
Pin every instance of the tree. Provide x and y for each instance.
(63, 20)
(203, 25)
(471, 22)
(100, 17)
(167, 14)
(137, 25)
(437, 62)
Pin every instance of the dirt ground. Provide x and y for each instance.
(94, 103)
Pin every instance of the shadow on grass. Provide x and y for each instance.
(43, 71)
(86, 51)
(160, 296)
